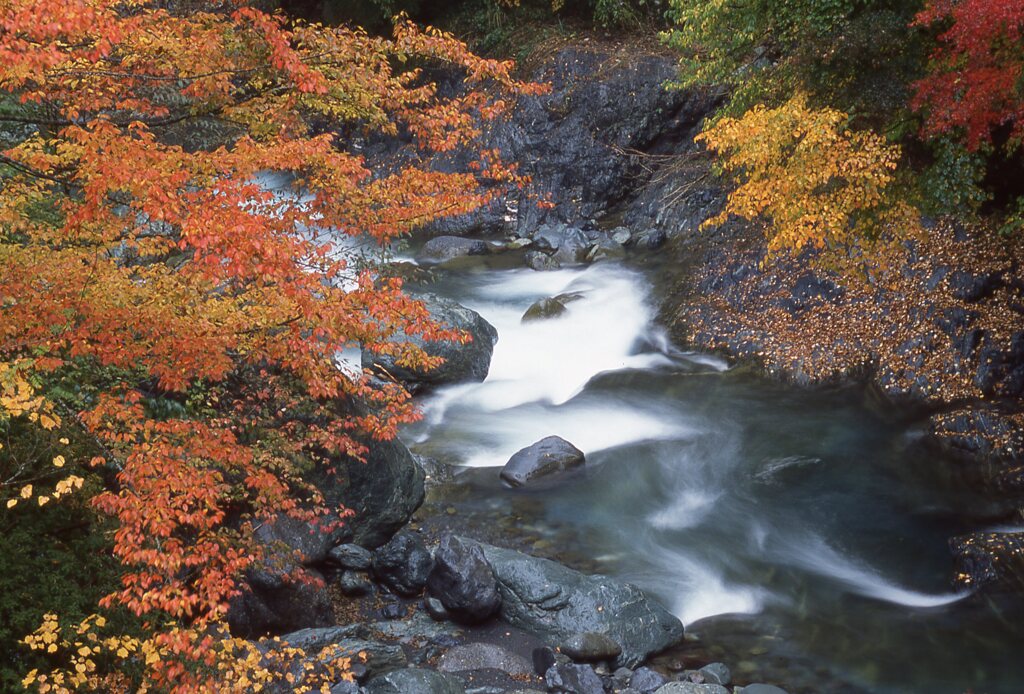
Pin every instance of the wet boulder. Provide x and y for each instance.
(403, 564)
(989, 559)
(467, 362)
(549, 457)
(542, 309)
(555, 603)
(442, 249)
(463, 581)
(414, 681)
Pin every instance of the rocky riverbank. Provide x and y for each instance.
(610, 155)
(438, 602)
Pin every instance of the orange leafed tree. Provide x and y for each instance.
(171, 267)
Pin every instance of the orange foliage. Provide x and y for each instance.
(177, 267)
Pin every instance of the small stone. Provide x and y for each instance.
(436, 609)
(451, 510)
(621, 235)
(645, 680)
(716, 673)
(691, 688)
(403, 564)
(691, 676)
(354, 584)
(762, 689)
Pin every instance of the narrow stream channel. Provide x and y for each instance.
(801, 535)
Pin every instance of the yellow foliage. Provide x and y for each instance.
(817, 182)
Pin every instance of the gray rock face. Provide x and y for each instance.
(350, 556)
(555, 603)
(403, 564)
(483, 656)
(414, 681)
(463, 581)
(590, 647)
(384, 490)
(762, 689)
(462, 362)
(271, 605)
(441, 249)
(306, 543)
(548, 457)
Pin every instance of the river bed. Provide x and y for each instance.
(800, 535)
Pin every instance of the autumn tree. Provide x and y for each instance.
(199, 306)
(818, 183)
(976, 82)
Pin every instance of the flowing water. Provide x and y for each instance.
(800, 535)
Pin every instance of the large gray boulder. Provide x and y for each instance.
(545, 459)
(441, 249)
(556, 603)
(463, 580)
(467, 362)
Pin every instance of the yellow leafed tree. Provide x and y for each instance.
(818, 183)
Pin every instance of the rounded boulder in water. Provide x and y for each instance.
(549, 457)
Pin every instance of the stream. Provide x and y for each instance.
(800, 535)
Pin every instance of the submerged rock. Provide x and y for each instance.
(462, 362)
(544, 308)
(556, 603)
(548, 457)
